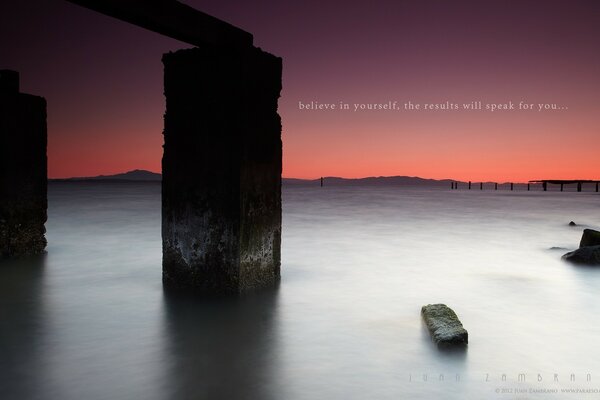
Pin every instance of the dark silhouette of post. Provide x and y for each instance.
(481, 186)
(321, 181)
(496, 186)
(512, 186)
(469, 185)
(579, 186)
(545, 186)
(221, 184)
(528, 187)
(562, 186)
(596, 187)
(23, 169)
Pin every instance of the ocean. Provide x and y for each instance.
(91, 321)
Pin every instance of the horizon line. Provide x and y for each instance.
(500, 182)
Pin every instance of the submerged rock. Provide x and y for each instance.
(588, 255)
(443, 324)
(590, 238)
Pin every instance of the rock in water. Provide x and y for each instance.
(444, 326)
(588, 255)
(572, 223)
(590, 238)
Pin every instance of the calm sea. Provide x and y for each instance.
(91, 321)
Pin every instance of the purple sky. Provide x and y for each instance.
(103, 82)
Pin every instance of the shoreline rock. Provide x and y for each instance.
(588, 255)
(443, 324)
(590, 237)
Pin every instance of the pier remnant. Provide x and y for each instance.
(221, 214)
(563, 182)
(444, 326)
(221, 183)
(23, 169)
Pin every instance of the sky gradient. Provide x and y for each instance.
(103, 82)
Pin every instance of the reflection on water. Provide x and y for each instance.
(223, 349)
(91, 321)
(21, 326)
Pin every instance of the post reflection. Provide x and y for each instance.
(222, 349)
(21, 326)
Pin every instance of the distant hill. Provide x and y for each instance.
(137, 175)
(140, 175)
(370, 181)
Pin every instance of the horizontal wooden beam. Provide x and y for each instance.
(173, 19)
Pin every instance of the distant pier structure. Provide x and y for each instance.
(544, 182)
(563, 182)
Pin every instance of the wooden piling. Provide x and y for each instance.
(511, 186)
(469, 185)
(579, 186)
(496, 186)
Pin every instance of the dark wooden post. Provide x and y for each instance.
(23, 169)
(321, 181)
(469, 185)
(545, 186)
(481, 186)
(511, 186)
(221, 187)
(528, 187)
(496, 186)
(579, 186)
(596, 187)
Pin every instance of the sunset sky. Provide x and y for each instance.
(102, 79)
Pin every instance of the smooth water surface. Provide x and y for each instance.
(91, 321)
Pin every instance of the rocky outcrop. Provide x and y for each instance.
(443, 324)
(572, 223)
(587, 255)
(590, 238)
(23, 169)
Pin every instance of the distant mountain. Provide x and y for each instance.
(137, 175)
(147, 176)
(370, 181)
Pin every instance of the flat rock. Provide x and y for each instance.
(443, 324)
(588, 255)
(590, 238)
